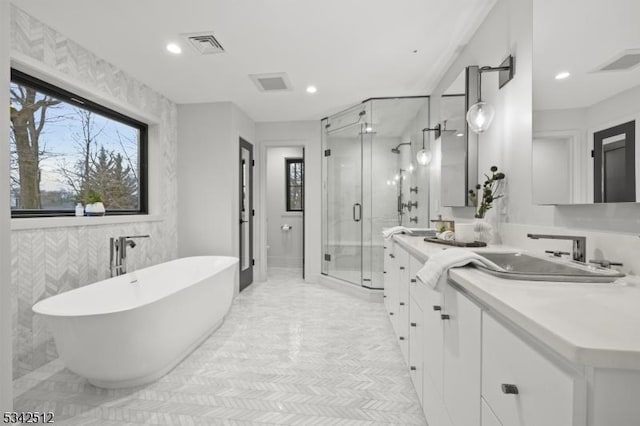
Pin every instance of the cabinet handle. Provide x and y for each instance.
(413, 324)
(509, 389)
(401, 337)
(413, 280)
(401, 303)
(384, 272)
(437, 308)
(391, 256)
(402, 268)
(412, 368)
(390, 313)
(444, 317)
(384, 296)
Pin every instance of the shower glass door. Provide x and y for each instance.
(343, 218)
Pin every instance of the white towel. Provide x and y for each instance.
(435, 268)
(389, 232)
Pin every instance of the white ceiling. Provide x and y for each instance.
(351, 50)
(579, 36)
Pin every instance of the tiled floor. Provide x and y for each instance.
(289, 352)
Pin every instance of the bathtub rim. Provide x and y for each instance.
(233, 261)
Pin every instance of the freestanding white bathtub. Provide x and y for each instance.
(133, 329)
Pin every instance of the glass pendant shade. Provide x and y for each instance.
(480, 116)
(423, 157)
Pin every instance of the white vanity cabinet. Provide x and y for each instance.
(461, 320)
(523, 387)
(486, 352)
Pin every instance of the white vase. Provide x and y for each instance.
(94, 209)
(483, 230)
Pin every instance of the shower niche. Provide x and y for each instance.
(371, 181)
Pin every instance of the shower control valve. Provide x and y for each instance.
(413, 189)
(412, 204)
(413, 219)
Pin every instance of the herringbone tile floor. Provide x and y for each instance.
(289, 352)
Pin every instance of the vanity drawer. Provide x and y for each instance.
(523, 387)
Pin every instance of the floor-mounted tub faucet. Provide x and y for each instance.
(118, 253)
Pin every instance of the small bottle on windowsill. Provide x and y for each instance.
(79, 210)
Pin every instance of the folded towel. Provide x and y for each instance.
(435, 268)
(389, 232)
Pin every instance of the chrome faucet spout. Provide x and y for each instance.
(579, 251)
(118, 253)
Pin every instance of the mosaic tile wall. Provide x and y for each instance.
(49, 261)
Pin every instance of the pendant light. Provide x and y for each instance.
(480, 115)
(423, 157)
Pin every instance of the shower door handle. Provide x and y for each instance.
(358, 217)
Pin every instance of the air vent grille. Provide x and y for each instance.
(271, 82)
(204, 43)
(623, 61)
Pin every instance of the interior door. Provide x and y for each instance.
(343, 196)
(614, 172)
(246, 214)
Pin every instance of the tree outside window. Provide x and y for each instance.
(63, 148)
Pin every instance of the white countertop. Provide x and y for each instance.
(591, 324)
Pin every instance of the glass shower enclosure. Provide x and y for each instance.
(371, 181)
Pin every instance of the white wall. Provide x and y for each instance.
(611, 229)
(208, 178)
(6, 395)
(294, 133)
(284, 247)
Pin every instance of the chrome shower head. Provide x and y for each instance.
(395, 150)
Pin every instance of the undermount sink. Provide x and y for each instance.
(520, 266)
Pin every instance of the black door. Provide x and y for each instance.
(614, 172)
(246, 214)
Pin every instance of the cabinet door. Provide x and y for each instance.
(434, 339)
(540, 392)
(402, 326)
(462, 351)
(416, 342)
(391, 281)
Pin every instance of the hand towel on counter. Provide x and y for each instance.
(435, 269)
(389, 232)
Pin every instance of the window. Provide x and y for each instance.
(67, 150)
(295, 184)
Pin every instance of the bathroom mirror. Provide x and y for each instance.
(459, 147)
(586, 102)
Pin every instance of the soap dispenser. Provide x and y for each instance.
(79, 210)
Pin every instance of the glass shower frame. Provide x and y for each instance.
(351, 218)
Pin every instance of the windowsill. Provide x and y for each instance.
(18, 224)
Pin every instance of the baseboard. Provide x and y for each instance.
(372, 295)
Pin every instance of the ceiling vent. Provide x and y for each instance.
(624, 61)
(205, 43)
(276, 82)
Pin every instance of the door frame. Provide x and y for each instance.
(246, 278)
(261, 243)
(629, 130)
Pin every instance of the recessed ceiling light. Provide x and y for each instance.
(460, 134)
(368, 129)
(562, 75)
(312, 89)
(174, 48)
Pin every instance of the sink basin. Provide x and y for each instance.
(520, 266)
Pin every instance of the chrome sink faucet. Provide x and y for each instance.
(118, 253)
(579, 244)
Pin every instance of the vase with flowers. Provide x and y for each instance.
(482, 198)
